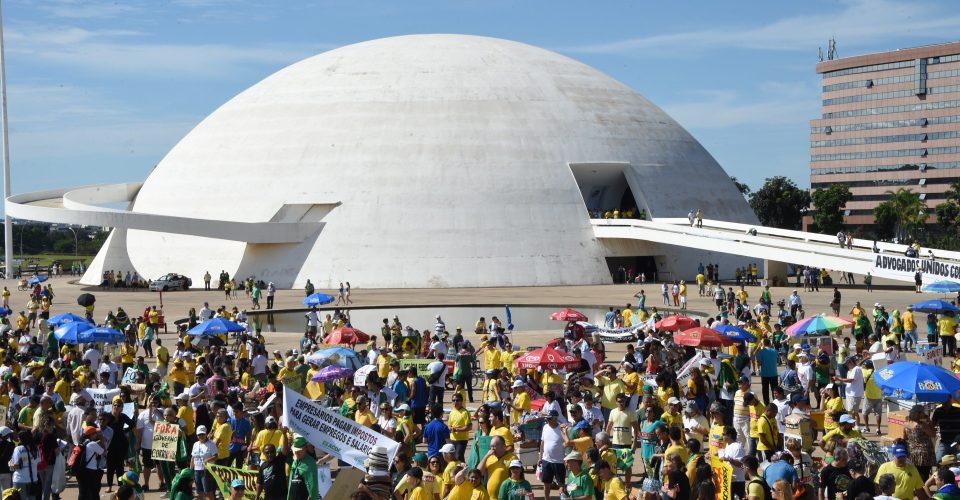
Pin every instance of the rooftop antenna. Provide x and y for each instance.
(820, 53)
(832, 49)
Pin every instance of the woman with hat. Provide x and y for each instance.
(515, 487)
(203, 451)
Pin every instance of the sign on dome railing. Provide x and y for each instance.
(905, 268)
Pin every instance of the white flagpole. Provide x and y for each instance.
(7, 222)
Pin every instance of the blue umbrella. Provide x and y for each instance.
(341, 355)
(63, 319)
(5, 311)
(215, 326)
(735, 333)
(935, 306)
(100, 334)
(328, 373)
(944, 286)
(509, 318)
(37, 279)
(906, 379)
(69, 333)
(317, 299)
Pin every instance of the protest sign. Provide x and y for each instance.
(722, 478)
(129, 376)
(324, 479)
(935, 356)
(330, 432)
(421, 365)
(103, 397)
(224, 475)
(165, 441)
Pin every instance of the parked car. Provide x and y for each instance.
(171, 281)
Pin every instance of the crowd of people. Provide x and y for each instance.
(653, 422)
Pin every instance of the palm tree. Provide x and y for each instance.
(910, 212)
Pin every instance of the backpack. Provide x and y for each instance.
(434, 377)
(75, 462)
(767, 495)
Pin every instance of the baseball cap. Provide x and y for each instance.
(797, 347)
(201, 430)
(516, 463)
(744, 379)
(299, 443)
(448, 448)
(517, 384)
(899, 451)
(5, 431)
(573, 456)
(673, 401)
(130, 477)
(270, 420)
(237, 484)
(847, 419)
(403, 407)
(553, 414)
(716, 406)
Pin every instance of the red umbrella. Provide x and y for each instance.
(548, 358)
(675, 323)
(568, 315)
(346, 335)
(702, 336)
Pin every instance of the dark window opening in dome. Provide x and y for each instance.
(605, 190)
(633, 269)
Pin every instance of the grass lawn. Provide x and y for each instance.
(45, 259)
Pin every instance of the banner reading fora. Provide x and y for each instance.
(165, 441)
(103, 397)
(330, 432)
(223, 476)
(722, 478)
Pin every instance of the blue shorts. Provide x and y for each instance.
(204, 482)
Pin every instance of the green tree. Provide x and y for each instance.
(743, 188)
(828, 204)
(905, 210)
(885, 220)
(780, 203)
(948, 212)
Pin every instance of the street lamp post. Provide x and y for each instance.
(76, 244)
(7, 222)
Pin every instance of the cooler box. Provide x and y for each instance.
(895, 421)
(817, 417)
(799, 426)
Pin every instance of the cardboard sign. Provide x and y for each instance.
(103, 397)
(165, 438)
(934, 356)
(129, 376)
(421, 365)
(330, 432)
(722, 478)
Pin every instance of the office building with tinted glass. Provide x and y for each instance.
(888, 120)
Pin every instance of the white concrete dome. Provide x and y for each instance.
(449, 156)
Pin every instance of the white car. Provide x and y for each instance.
(171, 281)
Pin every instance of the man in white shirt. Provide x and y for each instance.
(438, 346)
(592, 413)
(197, 391)
(259, 364)
(854, 387)
(783, 407)
(93, 355)
(437, 387)
(805, 373)
(312, 321)
(205, 313)
(144, 432)
(733, 453)
(110, 367)
(551, 453)
(439, 327)
(694, 423)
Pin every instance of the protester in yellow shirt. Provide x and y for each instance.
(521, 401)
(947, 327)
(221, 436)
(611, 485)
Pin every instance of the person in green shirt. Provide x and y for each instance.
(515, 487)
(303, 484)
(181, 488)
(579, 485)
(25, 417)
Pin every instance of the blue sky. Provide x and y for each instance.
(100, 90)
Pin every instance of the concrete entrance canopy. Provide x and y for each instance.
(785, 246)
(79, 206)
